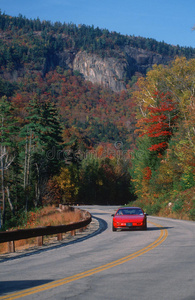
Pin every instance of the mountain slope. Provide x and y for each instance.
(105, 58)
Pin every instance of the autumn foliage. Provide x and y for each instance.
(160, 123)
(163, 163)
(64, 139)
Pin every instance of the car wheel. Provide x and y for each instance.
(113, 228)
(145, 226)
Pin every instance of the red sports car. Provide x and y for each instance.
(128, 218)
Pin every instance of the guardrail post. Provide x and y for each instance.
(73, 232)
(40, 241)
(11, 246)
(59, 236)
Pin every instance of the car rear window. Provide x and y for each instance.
(132, 211)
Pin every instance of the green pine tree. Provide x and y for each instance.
(42, 140)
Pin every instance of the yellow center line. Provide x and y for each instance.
(56, 283)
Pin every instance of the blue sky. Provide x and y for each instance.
(164, 20)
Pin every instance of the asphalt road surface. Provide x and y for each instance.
(157, 264)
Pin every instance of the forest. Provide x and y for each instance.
(66, 140)
(163, 163)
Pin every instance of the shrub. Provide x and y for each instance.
(178, 205)
(192, 214)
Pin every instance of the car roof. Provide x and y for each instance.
(130, 207)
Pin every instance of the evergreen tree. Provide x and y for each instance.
(42, 147)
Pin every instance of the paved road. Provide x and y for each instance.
(157, 264)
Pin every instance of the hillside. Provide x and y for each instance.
(102, 57)
(60, 60)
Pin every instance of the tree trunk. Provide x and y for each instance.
(37, 187)
(27, 166)
(2, 186)
(9, 200)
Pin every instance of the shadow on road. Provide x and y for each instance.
(99, 214)
(148, 229)
(18, 285)
(158, 228)
(103, 225)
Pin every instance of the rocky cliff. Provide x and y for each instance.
(111, 71)
(140, 60)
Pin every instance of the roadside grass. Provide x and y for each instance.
(51, 216)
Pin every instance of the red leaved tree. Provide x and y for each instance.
(160, 123)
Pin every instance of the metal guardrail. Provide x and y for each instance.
(11, 236)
